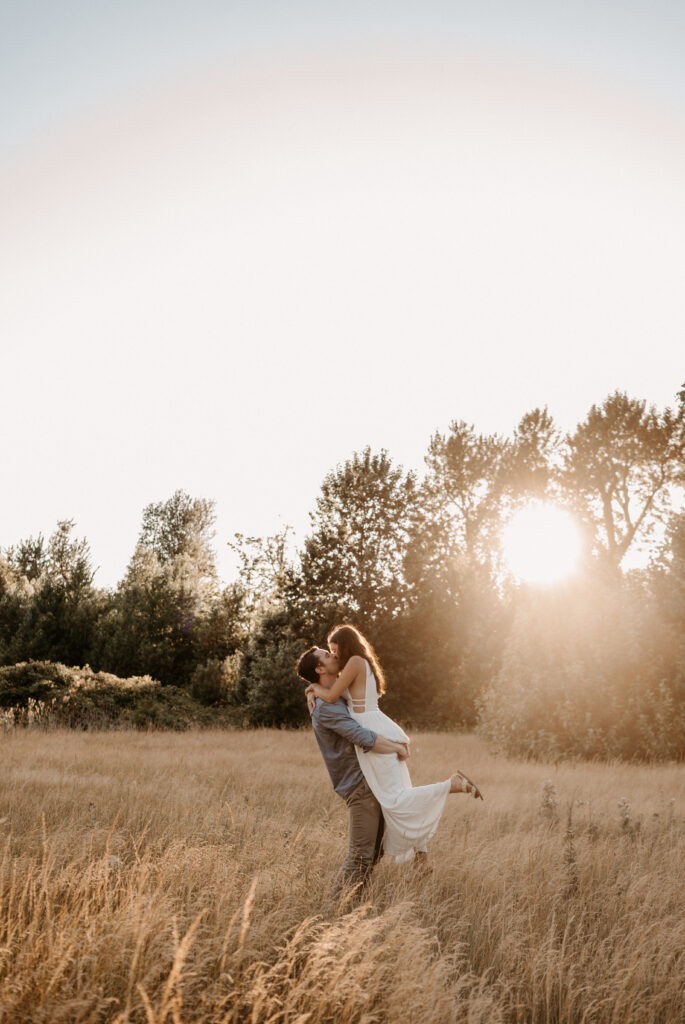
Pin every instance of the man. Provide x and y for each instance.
(337, 734)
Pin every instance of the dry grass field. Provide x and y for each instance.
(183, 878)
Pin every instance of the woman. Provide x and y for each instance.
(411, 813)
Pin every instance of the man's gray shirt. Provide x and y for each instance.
(337, 734)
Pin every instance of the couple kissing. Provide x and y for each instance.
(365, 753)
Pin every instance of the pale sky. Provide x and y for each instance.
(240, 242)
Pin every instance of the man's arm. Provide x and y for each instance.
(385, 746)
(337, 718)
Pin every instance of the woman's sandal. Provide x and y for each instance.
(467, 786)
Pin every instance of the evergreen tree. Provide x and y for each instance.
(49, 608)
(268, 691)
(352, 563)
(29, 558)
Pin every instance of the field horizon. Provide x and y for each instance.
(185, 877)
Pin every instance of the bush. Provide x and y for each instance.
(50, 694)
(213, 682)
(588, 672)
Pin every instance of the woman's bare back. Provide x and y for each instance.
(357, 688)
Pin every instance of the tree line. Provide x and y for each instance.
(593, 667)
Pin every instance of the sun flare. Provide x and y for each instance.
(541, 544)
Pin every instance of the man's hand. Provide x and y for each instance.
(311, 699)
(403, 754)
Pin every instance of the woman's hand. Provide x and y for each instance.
(329, 694)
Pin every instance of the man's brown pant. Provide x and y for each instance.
(365, 830)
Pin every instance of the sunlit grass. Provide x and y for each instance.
(184, 877)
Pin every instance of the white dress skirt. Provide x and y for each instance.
(411, 813)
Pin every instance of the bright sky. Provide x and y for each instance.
(241, 241)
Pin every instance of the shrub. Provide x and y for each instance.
(47, 694)
(213, 682)
(588, 672)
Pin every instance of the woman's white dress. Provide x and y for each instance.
(411, 813)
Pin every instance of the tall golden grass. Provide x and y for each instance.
(185, 878)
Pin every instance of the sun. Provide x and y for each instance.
(541, 544)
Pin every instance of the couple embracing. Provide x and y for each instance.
(365, 753)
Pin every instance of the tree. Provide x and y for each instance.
(451, 569)
(51, 610)
(68, 562)
(622, 463)
(458, 618)
(166, 619)
(352, 563)
(264, 573)
(667, 575)
(268, 691)
(461, 496)
(29, 558)
(472, 482)
(169, 614)
(149, 630)
(533, 458)
(440, 652)
(181, 526)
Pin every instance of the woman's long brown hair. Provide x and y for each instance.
(350, 641)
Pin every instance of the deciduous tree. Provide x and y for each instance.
(621, 465)
(181, 526)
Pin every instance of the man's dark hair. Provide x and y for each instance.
(308, 664)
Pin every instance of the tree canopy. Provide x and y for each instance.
(417, 563)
